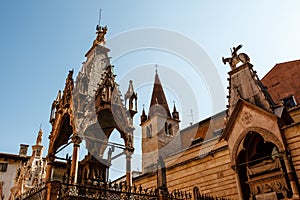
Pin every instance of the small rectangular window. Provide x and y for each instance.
(3, 167)
(289, 101)
(196, 141)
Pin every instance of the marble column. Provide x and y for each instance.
(76, 140)
(128, 154)
(50, 160)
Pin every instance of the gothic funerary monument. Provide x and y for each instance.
(251, 150)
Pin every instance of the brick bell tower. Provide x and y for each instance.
(159, 129)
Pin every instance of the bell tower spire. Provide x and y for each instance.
(160, 130)
(158, 104)
(175, 113)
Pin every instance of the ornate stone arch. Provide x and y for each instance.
(63, 128)
(267, 136)
(63, 133)
(62, 116)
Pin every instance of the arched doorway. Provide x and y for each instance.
(261, 169)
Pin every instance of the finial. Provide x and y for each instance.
(156, 69)
(70, 75)
(175, 114)
(39, 137)
(174, 108)
(143, 116)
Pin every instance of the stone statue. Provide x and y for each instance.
(236, 58)
(101, 32)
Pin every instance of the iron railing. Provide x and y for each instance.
(69, 191)
(117, 192)
(108, 191)
(208, 197)
(37, 193)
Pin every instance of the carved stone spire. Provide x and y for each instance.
(39, 137)
(68, 91)
(130, 90)
(245, 84)
(58, 97)
(159, 104)
(106, 86)
(131, 96)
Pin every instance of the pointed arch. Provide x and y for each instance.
(63, 133)
(267, 136)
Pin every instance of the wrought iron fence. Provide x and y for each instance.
(37, 193)
(178, 195)
(83, 192)
(208, 197)
(102, 191)
(116, 192)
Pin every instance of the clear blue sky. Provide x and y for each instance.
(42, 40)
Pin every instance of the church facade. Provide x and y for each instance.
(249, 151)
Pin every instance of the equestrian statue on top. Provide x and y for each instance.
(236, 58)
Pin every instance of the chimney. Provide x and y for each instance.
(23, 150)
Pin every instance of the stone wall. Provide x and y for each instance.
(206, 166)
(283, 81)
(292, 135)
(8, 177)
